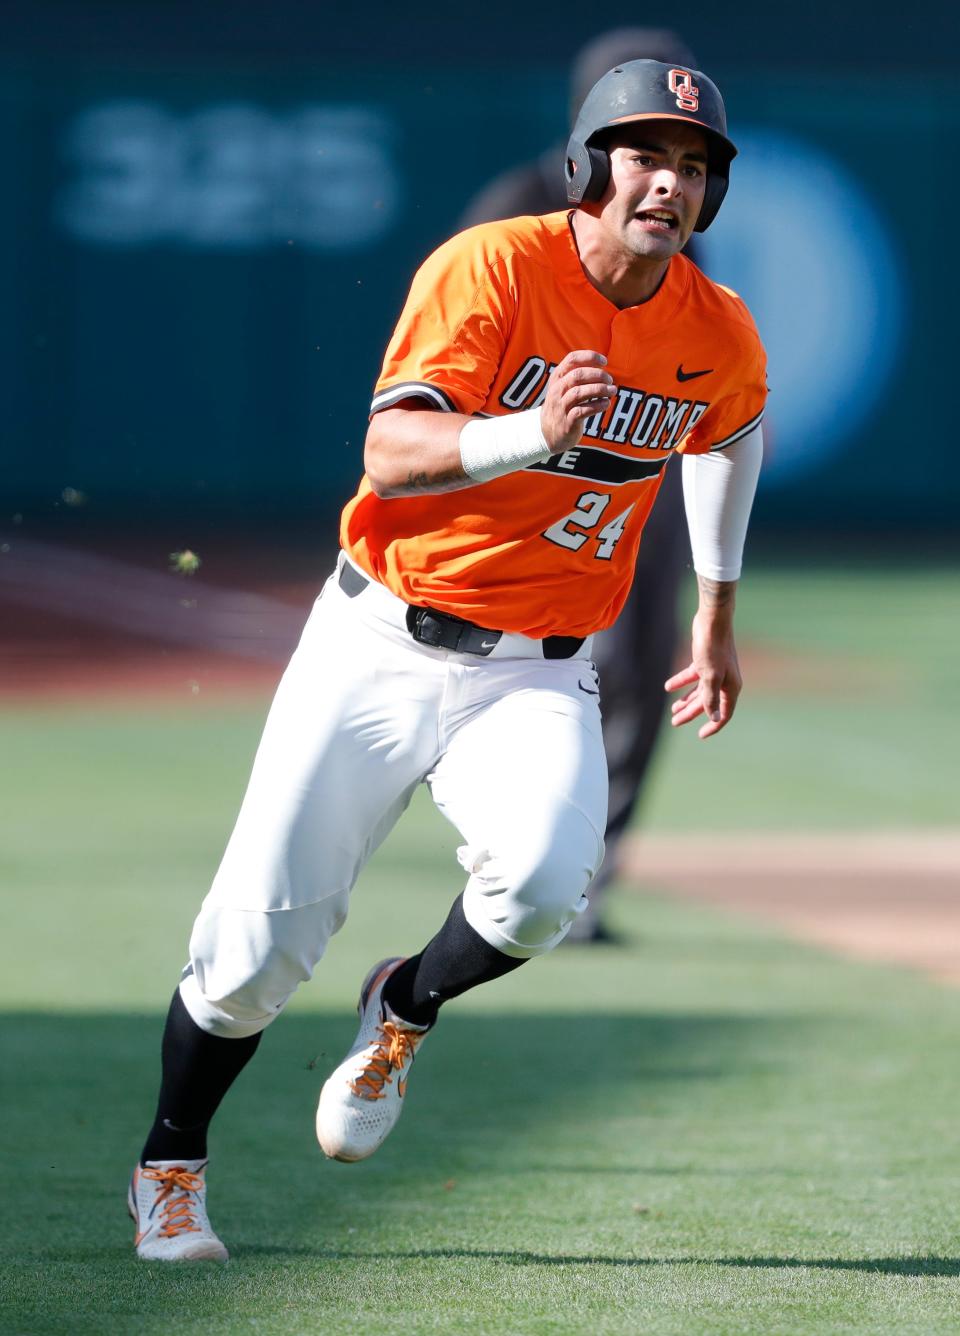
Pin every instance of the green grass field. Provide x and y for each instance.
(705, 1130)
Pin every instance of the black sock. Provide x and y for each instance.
(198, 1070)
(456, 959)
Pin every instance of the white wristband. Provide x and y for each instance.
(491, 447)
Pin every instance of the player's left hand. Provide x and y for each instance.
(714, 674)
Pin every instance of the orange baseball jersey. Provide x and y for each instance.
(549, 549)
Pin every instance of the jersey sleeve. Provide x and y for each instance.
(738, 412)
(449, 341)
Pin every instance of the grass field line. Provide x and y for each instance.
(889, 896)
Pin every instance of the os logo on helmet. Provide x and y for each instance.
(688, 94)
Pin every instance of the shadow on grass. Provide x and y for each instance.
(512, 1092)
(100, 1072)
(890, 1266)
(648, 1170)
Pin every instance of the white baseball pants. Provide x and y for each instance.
(510, 746)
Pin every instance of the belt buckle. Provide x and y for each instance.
(441, 630)
(425, 627)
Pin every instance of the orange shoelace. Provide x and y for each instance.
(175, 1211)
(389, 1055)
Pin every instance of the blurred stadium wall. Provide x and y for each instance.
(211, 214)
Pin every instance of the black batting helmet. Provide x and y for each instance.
(647, 90)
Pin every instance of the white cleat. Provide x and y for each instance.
(168, 1202)
(363, 1098)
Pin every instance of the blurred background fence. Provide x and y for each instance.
(212, 212)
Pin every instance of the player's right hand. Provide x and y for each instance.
(578, 387)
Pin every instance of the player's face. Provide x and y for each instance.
(658, 171)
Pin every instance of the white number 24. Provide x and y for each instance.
(590, 507)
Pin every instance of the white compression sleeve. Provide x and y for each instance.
(718, 492)
(491, 447)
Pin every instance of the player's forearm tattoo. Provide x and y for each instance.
(716, 593)
(435, 482)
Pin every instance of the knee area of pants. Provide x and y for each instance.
(559, 871)
(533, 894)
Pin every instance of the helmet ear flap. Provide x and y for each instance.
(587, 170)
(713, 194)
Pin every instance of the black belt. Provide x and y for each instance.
(441, 630)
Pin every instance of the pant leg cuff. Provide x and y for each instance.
(213, 1019)
(508, 946)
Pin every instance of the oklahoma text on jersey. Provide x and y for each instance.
(549, 550)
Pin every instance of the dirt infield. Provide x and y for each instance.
(81, 623)
(882, 896)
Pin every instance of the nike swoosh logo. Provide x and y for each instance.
(489, 644)
(691, 375)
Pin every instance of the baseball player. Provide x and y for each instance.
(542, 373)
(637, 653)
